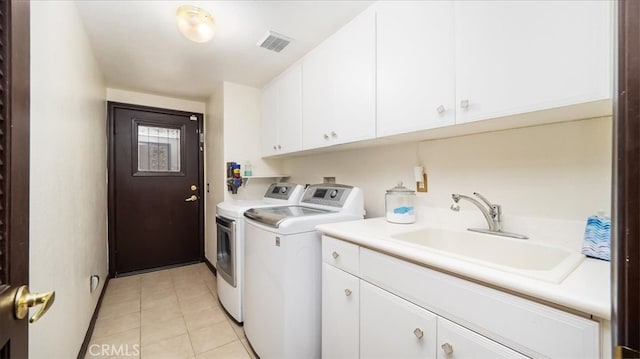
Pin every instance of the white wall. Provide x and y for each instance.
(68, 199)
(144, 99)
(214, 168)
(545, 177)
(232, 134)
(242, 138)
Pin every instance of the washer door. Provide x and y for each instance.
(226, 256)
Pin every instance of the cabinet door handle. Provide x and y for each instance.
(326, 137)
(347, 292)
(418, 332)
(447, 348)
(274, 147)
(464, 104)
(440, 109)
(279, 147)
(335, 255)
(333, 134)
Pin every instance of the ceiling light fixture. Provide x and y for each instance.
(195, 24)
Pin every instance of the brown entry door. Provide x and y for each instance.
(155, 188)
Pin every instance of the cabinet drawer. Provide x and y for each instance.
(459, 342)
(528, 327)
(391, 327)
(341, 254)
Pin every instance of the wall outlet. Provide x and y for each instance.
(330, 180)
(94, 280)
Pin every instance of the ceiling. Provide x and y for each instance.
(138, 46)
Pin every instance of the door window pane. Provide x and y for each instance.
(158, 149)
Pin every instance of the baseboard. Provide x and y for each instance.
(211, 267)
(92, 324)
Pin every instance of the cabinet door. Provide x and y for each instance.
(391, 327)
(457, 342)
(340, 313)
(520, 56)
(269, 119)
(338, 101)
(290, 110)
(415, 66)
(282, 113)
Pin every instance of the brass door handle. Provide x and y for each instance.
(25, 300)
(193, 198)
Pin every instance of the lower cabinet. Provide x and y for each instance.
(455, 341)
(389, 308)
(391, 327)
(360, 320)
(340, 313)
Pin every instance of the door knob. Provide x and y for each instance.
(25, 300)
(193, 198)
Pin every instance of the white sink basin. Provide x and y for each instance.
(519, 256)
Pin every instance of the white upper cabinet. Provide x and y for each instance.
(338, 103)
(408, 66)
(269, 119)
(520, 56)
(415, 66)
(282, 113)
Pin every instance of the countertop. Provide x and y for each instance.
(586, 289)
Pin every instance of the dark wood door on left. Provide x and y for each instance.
(155, 188)
(625, 251)
(14, 172)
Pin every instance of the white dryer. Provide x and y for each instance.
(230, 241)
(283, 270)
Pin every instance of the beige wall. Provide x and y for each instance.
(542, 176)
(68, 200)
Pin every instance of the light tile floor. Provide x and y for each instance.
(172, 314)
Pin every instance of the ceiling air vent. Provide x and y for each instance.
(274, 41)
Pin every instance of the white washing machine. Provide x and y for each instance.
(230, 241)
(282, 298)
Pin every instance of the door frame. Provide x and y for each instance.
(625, 246)
(14, 242)
(111, 107)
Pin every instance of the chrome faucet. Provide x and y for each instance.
(492, 213)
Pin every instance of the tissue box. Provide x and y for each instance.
(597, 238)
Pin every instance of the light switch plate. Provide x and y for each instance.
(422, 186)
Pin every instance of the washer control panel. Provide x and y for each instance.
(280, 190)
(334, 195)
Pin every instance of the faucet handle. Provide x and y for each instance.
(497, 210)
